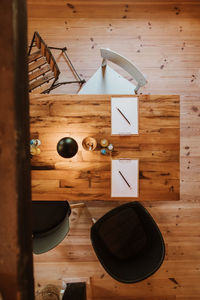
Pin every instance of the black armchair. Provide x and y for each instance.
(50, 224)
(128, 243)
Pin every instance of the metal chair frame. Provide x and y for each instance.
(64, 51)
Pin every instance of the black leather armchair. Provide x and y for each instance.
(128, 243)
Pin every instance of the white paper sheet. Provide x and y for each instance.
(129, 169)
(127, 124)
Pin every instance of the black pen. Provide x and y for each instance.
(123, 116)
(125, 179)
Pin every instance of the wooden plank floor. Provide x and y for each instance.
(163, 39)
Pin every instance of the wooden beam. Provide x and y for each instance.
(16, 273)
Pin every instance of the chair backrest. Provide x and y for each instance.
(125, 64)
(50, 224)
(40, 63)
(46, 52)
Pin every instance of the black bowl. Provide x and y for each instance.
(67, 147)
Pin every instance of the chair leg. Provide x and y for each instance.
(51, 88)
(77, 205)
(94, 220)
(31, 45)
(64, 49)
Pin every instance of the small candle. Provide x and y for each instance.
(103, 151)
(104, 143)
(33, 150)
(110, 147)
(38, 151)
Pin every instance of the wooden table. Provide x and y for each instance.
(87, 176)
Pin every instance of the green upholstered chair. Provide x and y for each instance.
(50, 224)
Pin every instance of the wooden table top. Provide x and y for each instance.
(87, 175)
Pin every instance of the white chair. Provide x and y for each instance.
(108, 81)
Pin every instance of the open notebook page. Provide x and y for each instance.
(124, 116)
(124, 179)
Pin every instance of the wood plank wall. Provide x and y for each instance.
(163, 39)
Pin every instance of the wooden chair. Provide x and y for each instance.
(108, 81)
(43, 69)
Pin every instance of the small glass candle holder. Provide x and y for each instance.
(103, 151)
(110, 147)
(89, 143)
(104, 143)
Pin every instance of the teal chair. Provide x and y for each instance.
(50, 224)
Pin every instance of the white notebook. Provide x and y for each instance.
(124, 179)
(124, 116)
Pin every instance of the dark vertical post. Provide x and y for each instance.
(16, 266)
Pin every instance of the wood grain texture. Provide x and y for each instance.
(87, 175)
(163, 39)
(178, 277)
